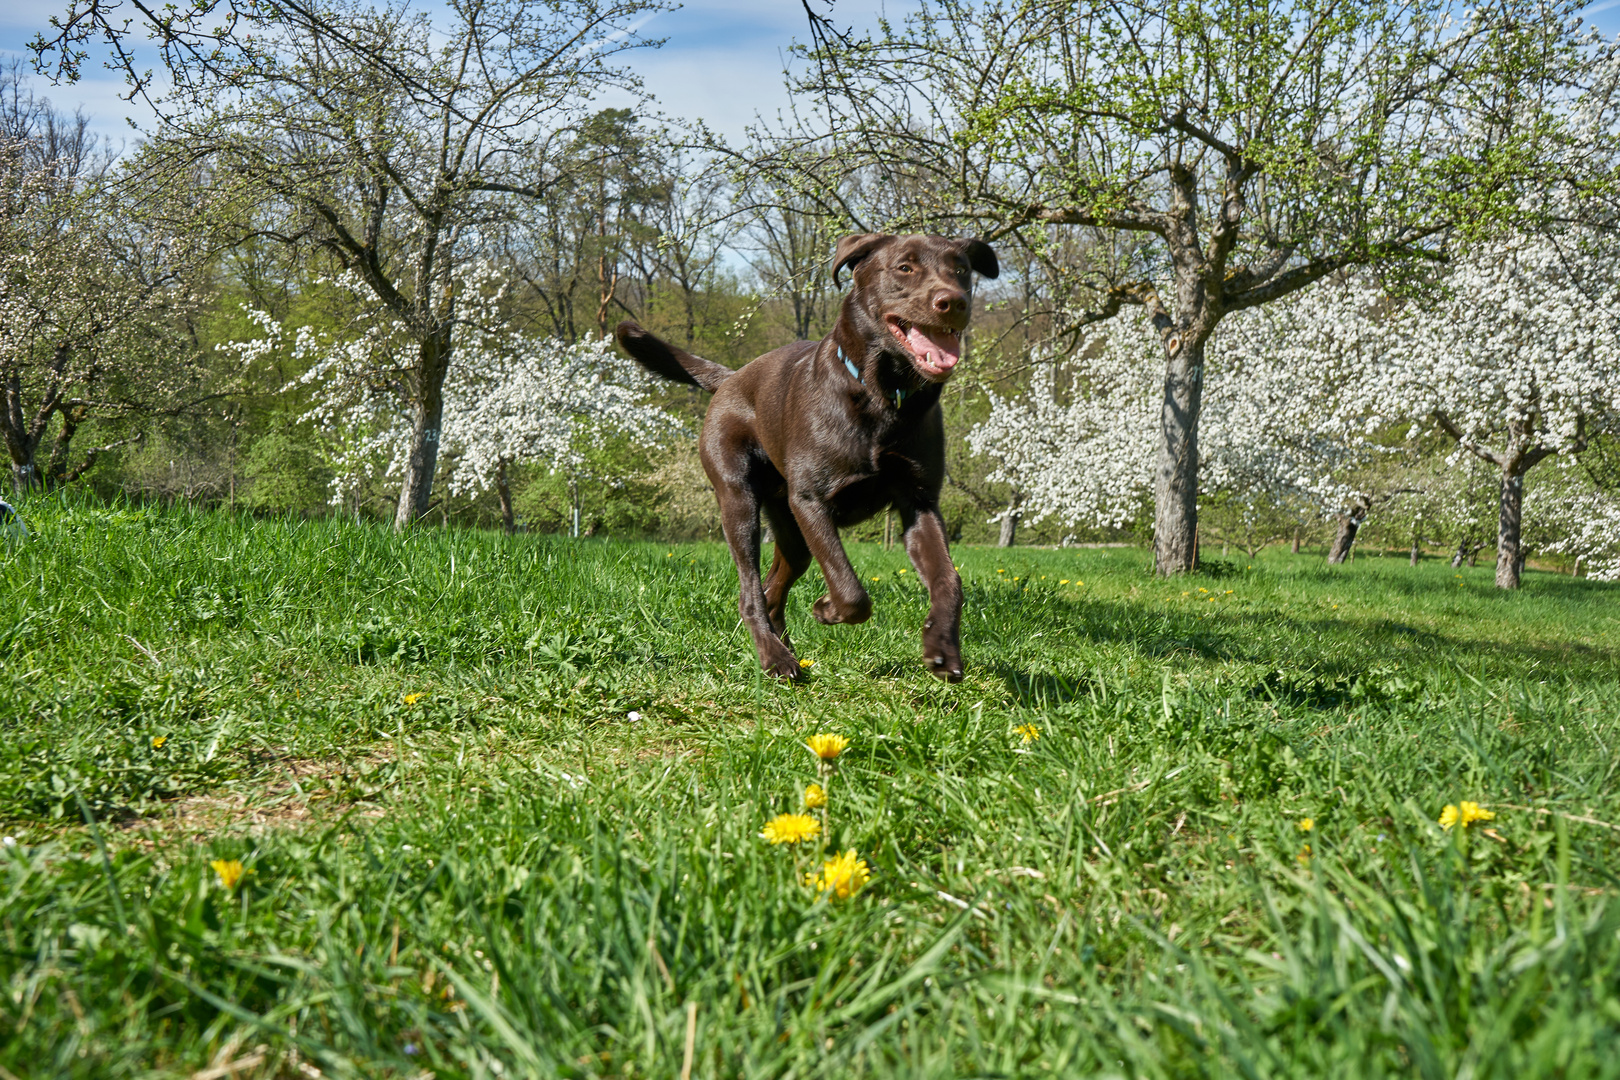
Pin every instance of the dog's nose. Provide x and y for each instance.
(947, 302)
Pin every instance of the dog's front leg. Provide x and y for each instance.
(942, 633)
(846, 600)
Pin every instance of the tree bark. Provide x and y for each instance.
(1009, 526)
(1296, 541)
(1417, 542)
(1349, 525)
(1510, 522)
(416, 492)
(504, 491)
(1175, 494)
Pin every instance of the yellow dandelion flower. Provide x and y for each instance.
(1065, 581)
(1202, 589)
(790, 829)
(902, 571)
(158, 741)
(1305, 855)
(1001, 571)
(806, 663)
(815, 796)
(842, 875)
(671, 555)
(1079, 583)
(1307, 824)
(412, 699)
(877, 579)
(1029, 731)
(1466, 814)
(827, 747)
(229, 871)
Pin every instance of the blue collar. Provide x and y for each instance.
(855, 373)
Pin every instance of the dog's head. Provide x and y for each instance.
(918, 290)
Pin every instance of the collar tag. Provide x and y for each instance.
(855, 373)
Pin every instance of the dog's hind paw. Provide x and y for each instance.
(945, 668)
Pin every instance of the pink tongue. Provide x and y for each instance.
(939, 349)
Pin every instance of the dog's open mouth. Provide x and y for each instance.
(934, 349)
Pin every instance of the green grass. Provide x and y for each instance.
(508, 877)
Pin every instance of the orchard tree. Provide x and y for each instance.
(1083, 445)
(397, 143)
(94, 290)
(1516, 360)
(1222, 153)
(509, 397)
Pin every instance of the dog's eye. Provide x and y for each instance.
(904, 268)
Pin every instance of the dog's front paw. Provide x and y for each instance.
(781, 662)
(948, 667)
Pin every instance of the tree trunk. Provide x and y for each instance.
(1349, 525)
(1296, 541)
(1175, 492)
(1417, 543)
(1509, 558)
(56, 468)
(504, 491)
(1009, 528)
(416, 492)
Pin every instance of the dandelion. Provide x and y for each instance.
(902, 571)
(790, 829)
(827, 747)
(230, 871)
(1065, 581)
(412, 699)
(842, 875)
(815, 797)
(1029, 731)
(1079, 583)
(1307, 824)
(1304, 856)
(1467, 813)
(158, 741)
(805, 663)
(877, 579)
(671, 555)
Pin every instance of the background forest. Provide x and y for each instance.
(346, 273)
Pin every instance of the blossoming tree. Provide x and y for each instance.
(509, 397)
(1088, 454)
(1516, 360)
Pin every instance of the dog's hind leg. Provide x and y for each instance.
(791, 561)
(739, 516)
(942, 632)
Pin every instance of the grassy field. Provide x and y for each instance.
(498, 805)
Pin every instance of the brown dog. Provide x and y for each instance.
(824, 434)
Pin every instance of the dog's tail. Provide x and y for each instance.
(662, 358)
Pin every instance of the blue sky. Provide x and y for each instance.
(722, 61)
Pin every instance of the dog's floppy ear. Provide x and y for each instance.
(981, 256)
(855, 247)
